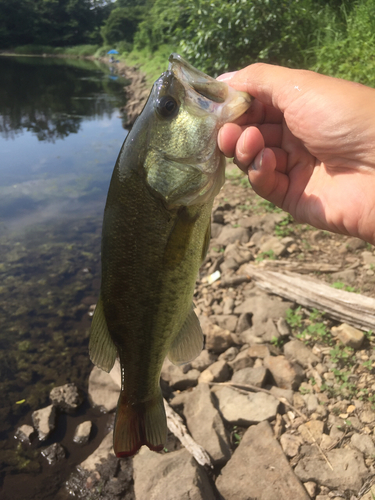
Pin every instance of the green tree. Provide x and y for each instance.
(122, 24)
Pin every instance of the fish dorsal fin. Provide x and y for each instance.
(189, 341)
(102, 350)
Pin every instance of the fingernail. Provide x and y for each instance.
(258, 160)
(226, 76)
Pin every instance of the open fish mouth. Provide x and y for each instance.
(226, 103)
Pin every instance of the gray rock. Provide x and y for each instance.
(274, 245)
(218, 340)
(241, 409)
(312, 431)
(283, 327)
(205, 424)
(244, 322)
(355, 244)
(242, 360)
(363, 443)
(229, 354)
(25, 433)
(312, 402)
(54, 453)
(349, 470)
(278, 392)
(286, 375)
(347, 276)
(44, 421)
(172, 476)
(82, 432)
(297, 352)
(258, 351)
(225, 321)
(348, 335)
(103, 391)
(231, 234)
(203, 361)
(66, 397)
(368, 258)
(217, 372)
(290, 443)
(267, 330)
(176, 378)
(251, 376)
(102, 453)
(259, 470)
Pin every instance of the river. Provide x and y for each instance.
(60, 134)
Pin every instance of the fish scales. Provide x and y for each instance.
(156, 230)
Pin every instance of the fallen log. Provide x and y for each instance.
(347, 307)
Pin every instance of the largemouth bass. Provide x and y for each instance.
(156, 232)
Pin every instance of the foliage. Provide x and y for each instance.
(122, 25)
(347, 49)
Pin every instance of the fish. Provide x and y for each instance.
(155, 235)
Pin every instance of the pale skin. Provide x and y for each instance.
(308, 145)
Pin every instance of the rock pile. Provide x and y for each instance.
(275, 409)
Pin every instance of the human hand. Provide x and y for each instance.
(308, 145)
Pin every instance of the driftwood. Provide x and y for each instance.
(300, 267)
(347, 307)
(177, 427)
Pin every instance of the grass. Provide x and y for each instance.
(341, 286)
(313, 328)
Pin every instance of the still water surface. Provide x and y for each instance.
(60, 133)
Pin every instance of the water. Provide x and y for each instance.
(60, 133)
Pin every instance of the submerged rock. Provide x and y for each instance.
(54, 453)
(44, 421)
(25, 433)
(82, 432)
(66, 397)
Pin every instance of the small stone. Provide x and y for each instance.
(229, 354)
(367, 417)
(286, 375)
(66, 397)
(348, 335)
(282, 393)
(225, 321)
(240, 409)
(25, 433)
(368, 258)
(82, 432)
(242, 360)
(54, 453)
(250, 376)
(217, 339)
(228, 306)
(297, 352)
(231, 234)
(244, 322)
(44, 421)
(203, 361)
(363, 443)
(310, 488)
(283, 327)
(217, 372)
(290, 444)
(258, 351)
(312, 431)
(274, 245)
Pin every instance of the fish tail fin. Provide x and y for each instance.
(139, 424)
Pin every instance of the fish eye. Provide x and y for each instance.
(167, 106)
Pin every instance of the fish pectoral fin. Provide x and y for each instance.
(139, 424)
(189, 341)
(102, 350)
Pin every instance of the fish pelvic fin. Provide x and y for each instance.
(102, 350)
(139, 424)
(189, 341)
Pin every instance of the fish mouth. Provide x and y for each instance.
(213, 95)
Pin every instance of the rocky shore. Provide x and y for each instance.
(281, 399)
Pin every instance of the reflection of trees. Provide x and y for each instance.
(51, 99)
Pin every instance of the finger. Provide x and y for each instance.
(266, 179)
(227, 138)
(249, 144)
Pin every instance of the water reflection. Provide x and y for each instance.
(50, 98)
(60, 135)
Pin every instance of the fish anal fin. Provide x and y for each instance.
(189, 341)
(139, 424)
(102, 350)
